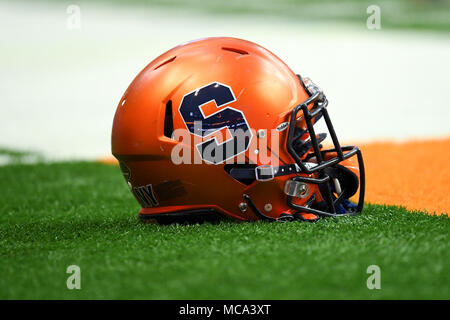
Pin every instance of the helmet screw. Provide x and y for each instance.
(303, 190)
(261, 133)
(268, 207)
(242, 206)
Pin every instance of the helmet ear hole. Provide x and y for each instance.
(246, 181)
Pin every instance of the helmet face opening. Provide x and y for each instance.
(335, 200)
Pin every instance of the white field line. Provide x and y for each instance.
(59, 88)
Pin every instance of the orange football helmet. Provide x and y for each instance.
(222, 127)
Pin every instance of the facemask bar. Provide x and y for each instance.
(320, 103)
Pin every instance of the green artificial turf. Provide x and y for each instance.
(61, 214)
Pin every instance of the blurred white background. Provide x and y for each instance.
(60, 87)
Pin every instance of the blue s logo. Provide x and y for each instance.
(203, 126)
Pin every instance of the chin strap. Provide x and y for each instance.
(264, 172)
(268, 172)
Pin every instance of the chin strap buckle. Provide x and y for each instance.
(264, 173)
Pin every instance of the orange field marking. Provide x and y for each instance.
(413, 174)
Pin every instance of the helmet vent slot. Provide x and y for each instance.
(240, 51)
(165, 62)
(168, 120)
